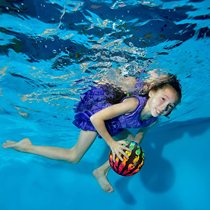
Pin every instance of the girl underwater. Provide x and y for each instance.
(107, 110)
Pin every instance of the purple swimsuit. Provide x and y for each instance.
(95, 100)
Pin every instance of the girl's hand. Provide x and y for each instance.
(118, 149)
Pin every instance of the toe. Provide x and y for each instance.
(9, 141)
(110, 189)
(8, 144)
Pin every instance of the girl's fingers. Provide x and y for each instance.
(121, 153)
(113, 154)
(119, 156)
(125, 148)
(124, 154)
(120, 150)
(124, 144)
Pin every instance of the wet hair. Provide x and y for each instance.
(163, 81)
(116, 94)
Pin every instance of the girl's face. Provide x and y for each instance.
(162, 101)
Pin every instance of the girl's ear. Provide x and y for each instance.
(151, 93)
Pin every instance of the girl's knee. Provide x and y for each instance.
(75, 160)
(73, 156)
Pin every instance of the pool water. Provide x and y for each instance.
(51, 51)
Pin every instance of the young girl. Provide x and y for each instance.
(107, 110)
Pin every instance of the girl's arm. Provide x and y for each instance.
(99, 118)
(139, 136)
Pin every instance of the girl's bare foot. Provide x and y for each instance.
(102, 180)
(22, 145)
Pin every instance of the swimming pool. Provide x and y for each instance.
(51, 51)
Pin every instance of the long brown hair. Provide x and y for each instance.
(160, 82)
(116, 94)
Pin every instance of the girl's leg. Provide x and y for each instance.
(101, 172)
(101, 177)
(73, 155)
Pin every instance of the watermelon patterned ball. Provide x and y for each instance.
(131, 165)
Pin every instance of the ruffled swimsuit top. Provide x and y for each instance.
(95, 100)
(130, 120)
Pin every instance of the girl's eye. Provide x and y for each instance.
(169, 108)
(163, 99)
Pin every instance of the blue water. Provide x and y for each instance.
(50, 51)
